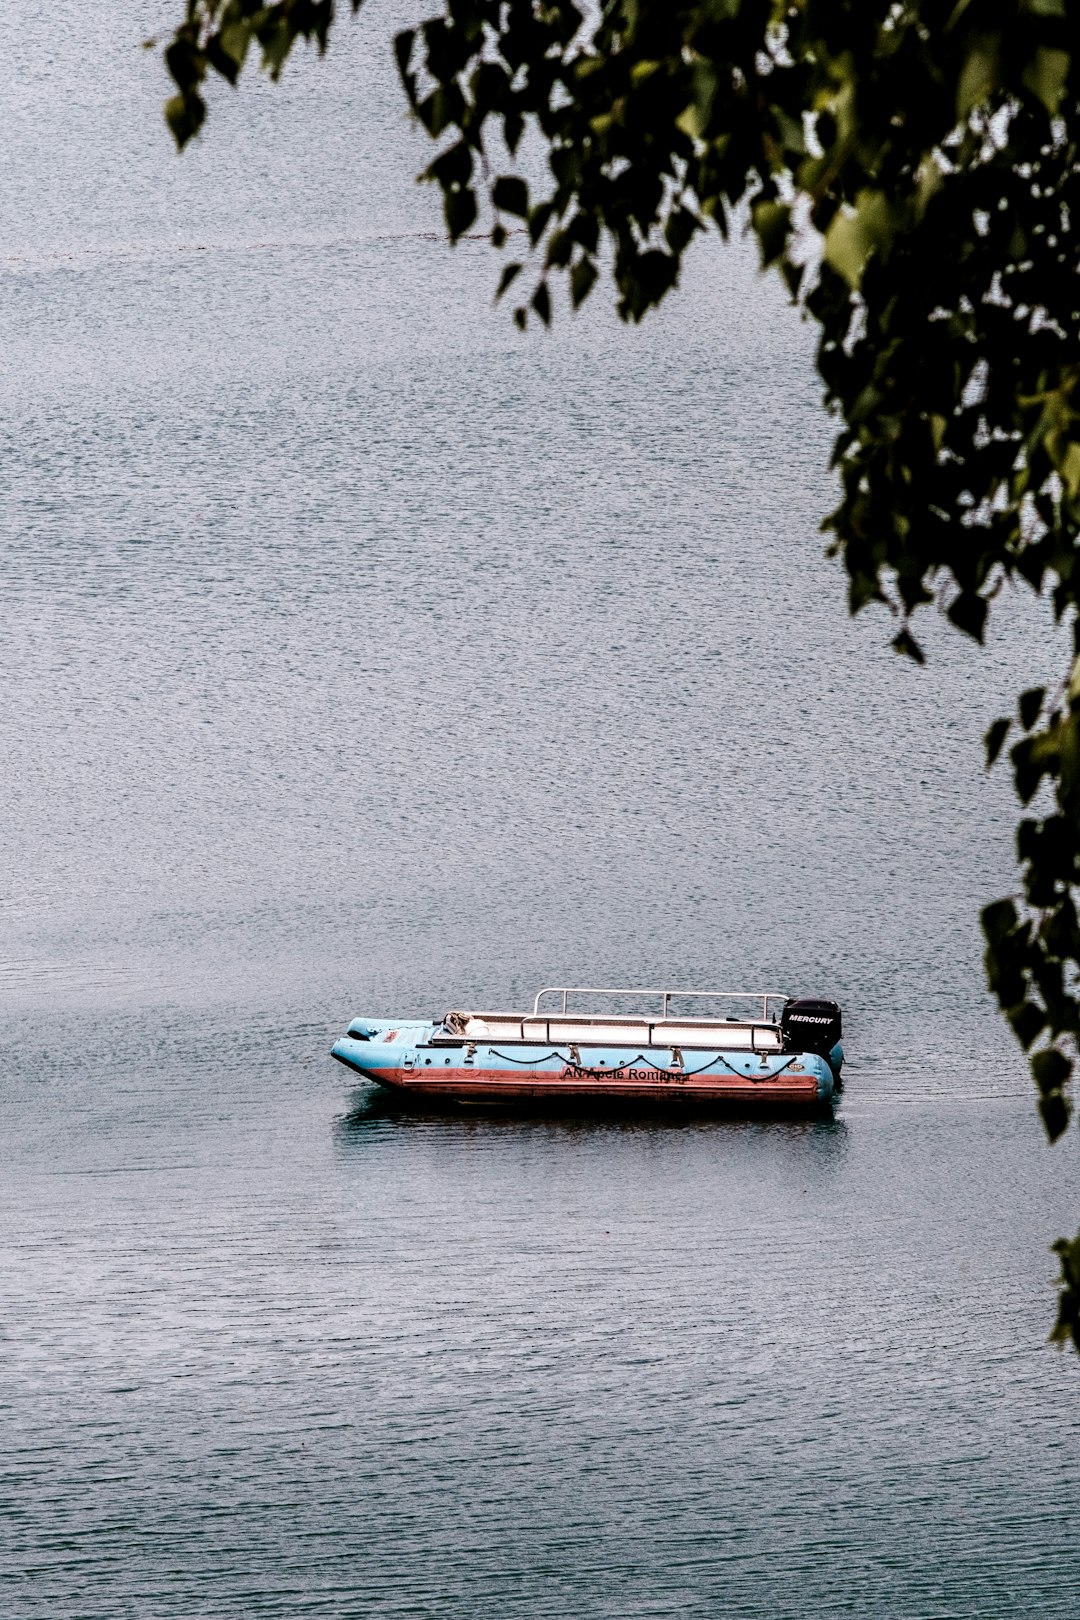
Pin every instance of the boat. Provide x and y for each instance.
(757, 1051)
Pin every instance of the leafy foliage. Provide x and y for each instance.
(911, 169)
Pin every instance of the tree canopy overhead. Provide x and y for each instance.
(912, 170)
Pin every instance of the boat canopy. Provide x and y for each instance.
(558, 1026)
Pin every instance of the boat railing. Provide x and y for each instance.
(565, 990)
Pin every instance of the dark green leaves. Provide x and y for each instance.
(215, 36)
(1068, 1322)
(1025, 975)
(1033, 946)
(185, 112)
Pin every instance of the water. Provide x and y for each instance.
(361, 656)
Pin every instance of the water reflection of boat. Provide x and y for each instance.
(785, 1058)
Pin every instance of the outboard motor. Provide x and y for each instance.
(807, 1025)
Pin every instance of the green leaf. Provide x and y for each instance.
(1046, 74)
(995, 739)
(511, 195)
(772, 225)
(460, 210)
(537, 219)
(905, 644)
(930, 180)
(846, 247)
(999, 919)
(1030, 705)
(1051, 1069)
(858, 231)
(643, 70)
(979, 74)
(510, 274)
(1028, 1022)
(793, 275)
(559, 250)
(1032, 759)
(453, 167)
(227, 49)
(235, 38)
(968, 613)
(1055, 1114)
(690, 122)
(444, 107)
(541, 302)
(1069, 467)
(184, 115)
(679, 229)
(403, 47)
(1068, 1318)
(582, 277)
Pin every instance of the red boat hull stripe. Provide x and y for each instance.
(488, 1084)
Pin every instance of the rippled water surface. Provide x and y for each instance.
(359, 655)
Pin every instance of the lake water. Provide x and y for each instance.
(359, 655)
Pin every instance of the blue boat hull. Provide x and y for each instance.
(416, 1059)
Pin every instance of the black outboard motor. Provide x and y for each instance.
(807, 1025)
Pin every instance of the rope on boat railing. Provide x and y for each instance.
(772, 1074)
(529, 1060)
(641, 1059)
